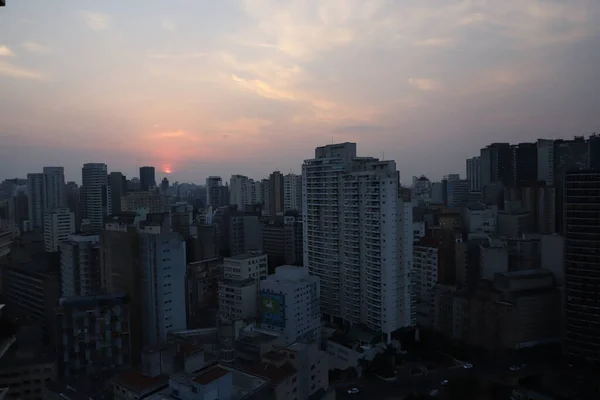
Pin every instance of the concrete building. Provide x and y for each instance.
(289, 304)
(292, 192)
(147, 178)
(151, 201)
(31, 290)
(525, 164)
(93, 334)
(493, 258)
(54, 188)
(343, 237)
(95, 192)
(479, 220)
(582, 264)
(514, 223)
(540, 202)
(80, 265)
(120, 272)
(118, 187)
(518, 310)
(37, 200)
(202, 287)
(58, 225)
(217, 381)
(437, 192)
(422, 188)
(312, 366)
(276, 194)
(239, 288)
(163, 267)
(457, 193)
(474, 174)
(238, 191)
(282, 240)
(213, 192)
(545, 161)
(425, 269)
(26, 364)
(182, 218)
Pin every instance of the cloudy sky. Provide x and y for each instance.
(250, 86)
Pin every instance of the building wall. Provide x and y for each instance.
(289, 304)
(93, 334)
(58, 225)
(163, 266)
(80, 265)
(26, 381)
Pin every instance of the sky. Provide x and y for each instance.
(227, 87)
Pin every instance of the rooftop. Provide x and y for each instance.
(211, 375)
(136, 382)
(245, 256)
(273, 373)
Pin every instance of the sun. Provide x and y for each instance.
(167, 169)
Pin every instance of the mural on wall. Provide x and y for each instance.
(273, 308)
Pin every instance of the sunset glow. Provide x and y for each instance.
(225, 87)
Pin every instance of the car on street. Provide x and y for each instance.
(444, 382)
(467, 366)
(353, 391)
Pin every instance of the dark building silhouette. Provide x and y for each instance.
(276, 193)
(118, 187)
(524, 163)
(147, 178)
(569, 155)
(582, 264)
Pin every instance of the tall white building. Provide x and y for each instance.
(239, 288)
(238, 191)
(545, 161)
(292, 192)
(354, 233)
(36, 199)
(163, 266)
(289, 304)
(95, 194)
(474, 174)
(54, 188)
(80, 265)
(58, 225)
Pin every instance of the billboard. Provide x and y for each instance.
(273, 308)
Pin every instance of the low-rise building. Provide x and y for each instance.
(289, 304)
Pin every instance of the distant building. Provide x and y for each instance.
(95, 194)
(58, 225)
(118, 187)
(214, 193)
(282, 240)
(151, 201)
(292, 192)
(147, 178)
(37, 201)
(276, 193)
(474, 173)
(289, 304)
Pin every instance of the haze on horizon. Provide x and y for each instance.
(249, 86)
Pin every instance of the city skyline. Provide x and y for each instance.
(218, 88)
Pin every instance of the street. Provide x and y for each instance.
(407, 383)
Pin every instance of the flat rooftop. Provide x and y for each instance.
(245, 256)
(211, 375)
